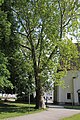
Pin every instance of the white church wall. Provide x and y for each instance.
(76, 87)
(69, 93)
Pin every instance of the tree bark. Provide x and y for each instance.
(39, 95)
(55, 94)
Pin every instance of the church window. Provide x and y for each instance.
(68, 95)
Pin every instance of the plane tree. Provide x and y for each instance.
(41, 27)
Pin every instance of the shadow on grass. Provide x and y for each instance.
(6, 107)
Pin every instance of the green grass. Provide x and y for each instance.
(12, 109)
(74, 117)
(72, 107)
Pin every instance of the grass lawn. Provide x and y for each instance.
(12, 109)
(74, 117)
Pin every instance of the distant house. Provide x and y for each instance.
(71, 93)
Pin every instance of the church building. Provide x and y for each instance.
(71, 93)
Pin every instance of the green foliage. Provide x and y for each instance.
(69, 55)
(4, 72)
(41, 27)
(1, 2)
(4, 24)
(24, 73)
(8, 39)
(5, 29)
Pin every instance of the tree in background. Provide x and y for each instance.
(24, 76)
(9, 42)
(4, 73)
(5, 32)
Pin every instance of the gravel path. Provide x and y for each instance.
(55, 113)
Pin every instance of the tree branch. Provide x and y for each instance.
(25, 47)
(40, 46)
(17, 13)
(24, 54)
(38, 43)
(59, 5)
(39, 38)
(30, 31)
(51, 55)
(67, 23)
(63, 9)
(61, 19)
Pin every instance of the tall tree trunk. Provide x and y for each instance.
(39, 95)
(39, 92)
(55, 94)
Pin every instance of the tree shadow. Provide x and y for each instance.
(4, 107)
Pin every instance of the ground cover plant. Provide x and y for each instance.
(13, 109)
(72, 107)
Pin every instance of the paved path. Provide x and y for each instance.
(55, 113)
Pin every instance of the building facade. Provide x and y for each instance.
(71, 93)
